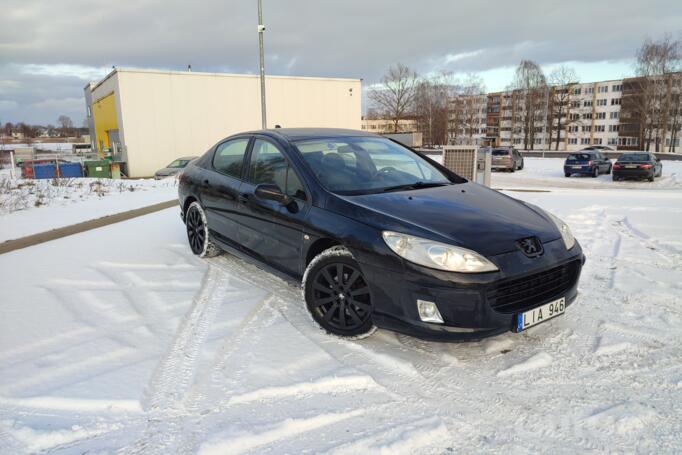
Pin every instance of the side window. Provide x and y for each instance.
(229, 157)
(268, 165)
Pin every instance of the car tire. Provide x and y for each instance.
(595, 173)
(199, 238)
(337, 296)
(522, 164)
(608, 172)
(566, 174)
(651, 179)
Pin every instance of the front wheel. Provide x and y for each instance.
(567, 174)
(197, 232)
(337, 295)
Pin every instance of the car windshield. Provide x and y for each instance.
(360, 165)
(579, 156)
(501, 152)
(178, 163)
(634, 157)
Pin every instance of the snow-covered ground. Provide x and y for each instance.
(32, 206)
(549, 172)
(132, 343)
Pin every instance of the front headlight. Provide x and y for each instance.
(436, 255)
(566, 233)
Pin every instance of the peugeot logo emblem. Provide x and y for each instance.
(530, 246)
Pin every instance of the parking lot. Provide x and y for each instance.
(132, 343)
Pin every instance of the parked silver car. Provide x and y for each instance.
(174, 167)
(506, 159)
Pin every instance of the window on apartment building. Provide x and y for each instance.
(587, 128)
(628, 141)
(573, 129)
(613, 141)
(575, 103)
(587, 116)
(615, 101)
(676, 142)
(614, 114)
(614, 128)
(585, 141)
(575, 116)
(600, 115)
(599, 128)
(587, 103)
(601, 102)
(577, 91)
(596, 141)
(603, 89)
(617, 88)
(589, 90)
(573, 140)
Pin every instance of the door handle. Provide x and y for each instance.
(243, 198)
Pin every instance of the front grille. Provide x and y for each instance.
(527, 292)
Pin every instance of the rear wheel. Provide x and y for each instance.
(337, 295)
(197, 232)
(595, 173)
(651, 179)
(609, 170)
(567, 174)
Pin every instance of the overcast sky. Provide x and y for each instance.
(50, 49)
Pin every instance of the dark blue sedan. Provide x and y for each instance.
(587, 162)
(380, 235)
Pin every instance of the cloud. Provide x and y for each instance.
(72, 41)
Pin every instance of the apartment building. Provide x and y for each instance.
(565, 118)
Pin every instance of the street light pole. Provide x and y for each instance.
(261, 30)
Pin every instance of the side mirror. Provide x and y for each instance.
(270, 191)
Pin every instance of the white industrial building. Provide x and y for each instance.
(147, 118)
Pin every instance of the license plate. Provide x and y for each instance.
(631, 166)
(540, 314)
(577, 167)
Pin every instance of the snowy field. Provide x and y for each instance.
(133, 344)
(549, 172)
(32, 206)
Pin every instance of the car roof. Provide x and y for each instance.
(186, 158)
(295, 134)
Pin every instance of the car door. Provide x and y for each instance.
(220, 188)
(269, 230)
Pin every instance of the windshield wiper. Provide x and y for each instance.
(414, 186)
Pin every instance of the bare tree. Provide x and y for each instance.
(530, 85)
(65, 124)
(394, 96)
(655, 64)
(561, 79)
(431, 107)
(466, 105)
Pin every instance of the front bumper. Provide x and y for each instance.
(469, 302)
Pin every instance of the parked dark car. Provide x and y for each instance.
(174, 168)
(380, 235)
(587, 162)
(637, 165)
(506, 159)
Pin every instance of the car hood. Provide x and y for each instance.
(468, 215)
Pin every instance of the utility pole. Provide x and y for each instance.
(261, 30)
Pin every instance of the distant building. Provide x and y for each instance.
(148, 118)
(383, 126)
(594, 113)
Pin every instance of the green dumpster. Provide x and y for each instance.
(98, 169)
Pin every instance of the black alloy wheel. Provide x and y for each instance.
(338, 297)
(196, 230)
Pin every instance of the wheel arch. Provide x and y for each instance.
(319, 246)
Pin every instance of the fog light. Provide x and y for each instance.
(428, 312)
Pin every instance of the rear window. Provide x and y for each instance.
(579, 157)
(635, 157)
(501, 152)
